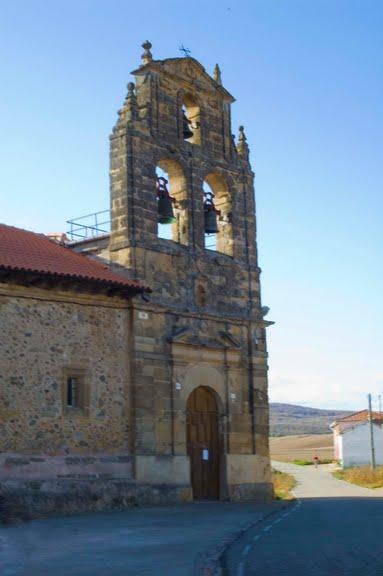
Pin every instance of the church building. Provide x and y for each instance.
(133, 362)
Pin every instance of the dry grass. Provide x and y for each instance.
(362, 476)
(283, 484)
(302, 447)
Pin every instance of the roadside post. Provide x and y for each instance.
(372, 447)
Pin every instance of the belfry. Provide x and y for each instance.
(200, 368)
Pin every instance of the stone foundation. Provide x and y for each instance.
(27, 499)
(39, 485)
(74, 466)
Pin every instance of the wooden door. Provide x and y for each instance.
(203, 443)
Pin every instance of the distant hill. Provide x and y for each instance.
(289, 419)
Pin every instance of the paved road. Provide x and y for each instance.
(161, 541)
(332, 529)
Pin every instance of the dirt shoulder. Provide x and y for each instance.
(362, 476)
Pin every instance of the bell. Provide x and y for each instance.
(165, 210)
(187, 133)
(211, 222)
(164, 202)
(210, 213)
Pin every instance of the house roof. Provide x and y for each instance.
(34, 254)
(360, 416)
(355, 419)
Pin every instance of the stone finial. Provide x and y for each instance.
(131, 95)
(129, 109)
(242, 146)
(217, 74)
(241, 134)
(146, 56)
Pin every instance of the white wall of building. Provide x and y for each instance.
(354, 445)
(338, 447)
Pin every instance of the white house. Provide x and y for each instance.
(352, 439)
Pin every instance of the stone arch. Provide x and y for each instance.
(205, 375)
(173, 172)
(223, 203)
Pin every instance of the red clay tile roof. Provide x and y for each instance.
(24, 251)
(360, 416)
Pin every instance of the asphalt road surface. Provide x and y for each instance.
(144, 541)
(332, 529)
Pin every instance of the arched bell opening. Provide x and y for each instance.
(171, 201)
(191, 124)
(217, 214)
(204, 443)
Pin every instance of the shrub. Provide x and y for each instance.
(283, 484)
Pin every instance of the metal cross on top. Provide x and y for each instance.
(185, 51)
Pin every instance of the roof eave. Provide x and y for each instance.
(114, 287)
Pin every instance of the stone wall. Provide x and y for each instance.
(40, 340)
(52, 461)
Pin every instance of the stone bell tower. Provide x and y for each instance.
(199, 404)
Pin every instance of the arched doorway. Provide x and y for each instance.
(203, 445)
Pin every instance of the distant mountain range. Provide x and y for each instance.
(288, 419)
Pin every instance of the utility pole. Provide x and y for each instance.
(380, 402)
(372, 447)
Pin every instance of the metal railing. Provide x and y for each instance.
(89, 226)
(98, 224)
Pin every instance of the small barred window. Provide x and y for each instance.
(75, 393)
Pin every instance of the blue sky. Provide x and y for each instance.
(307, 76)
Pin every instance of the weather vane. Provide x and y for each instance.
(185, 51)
